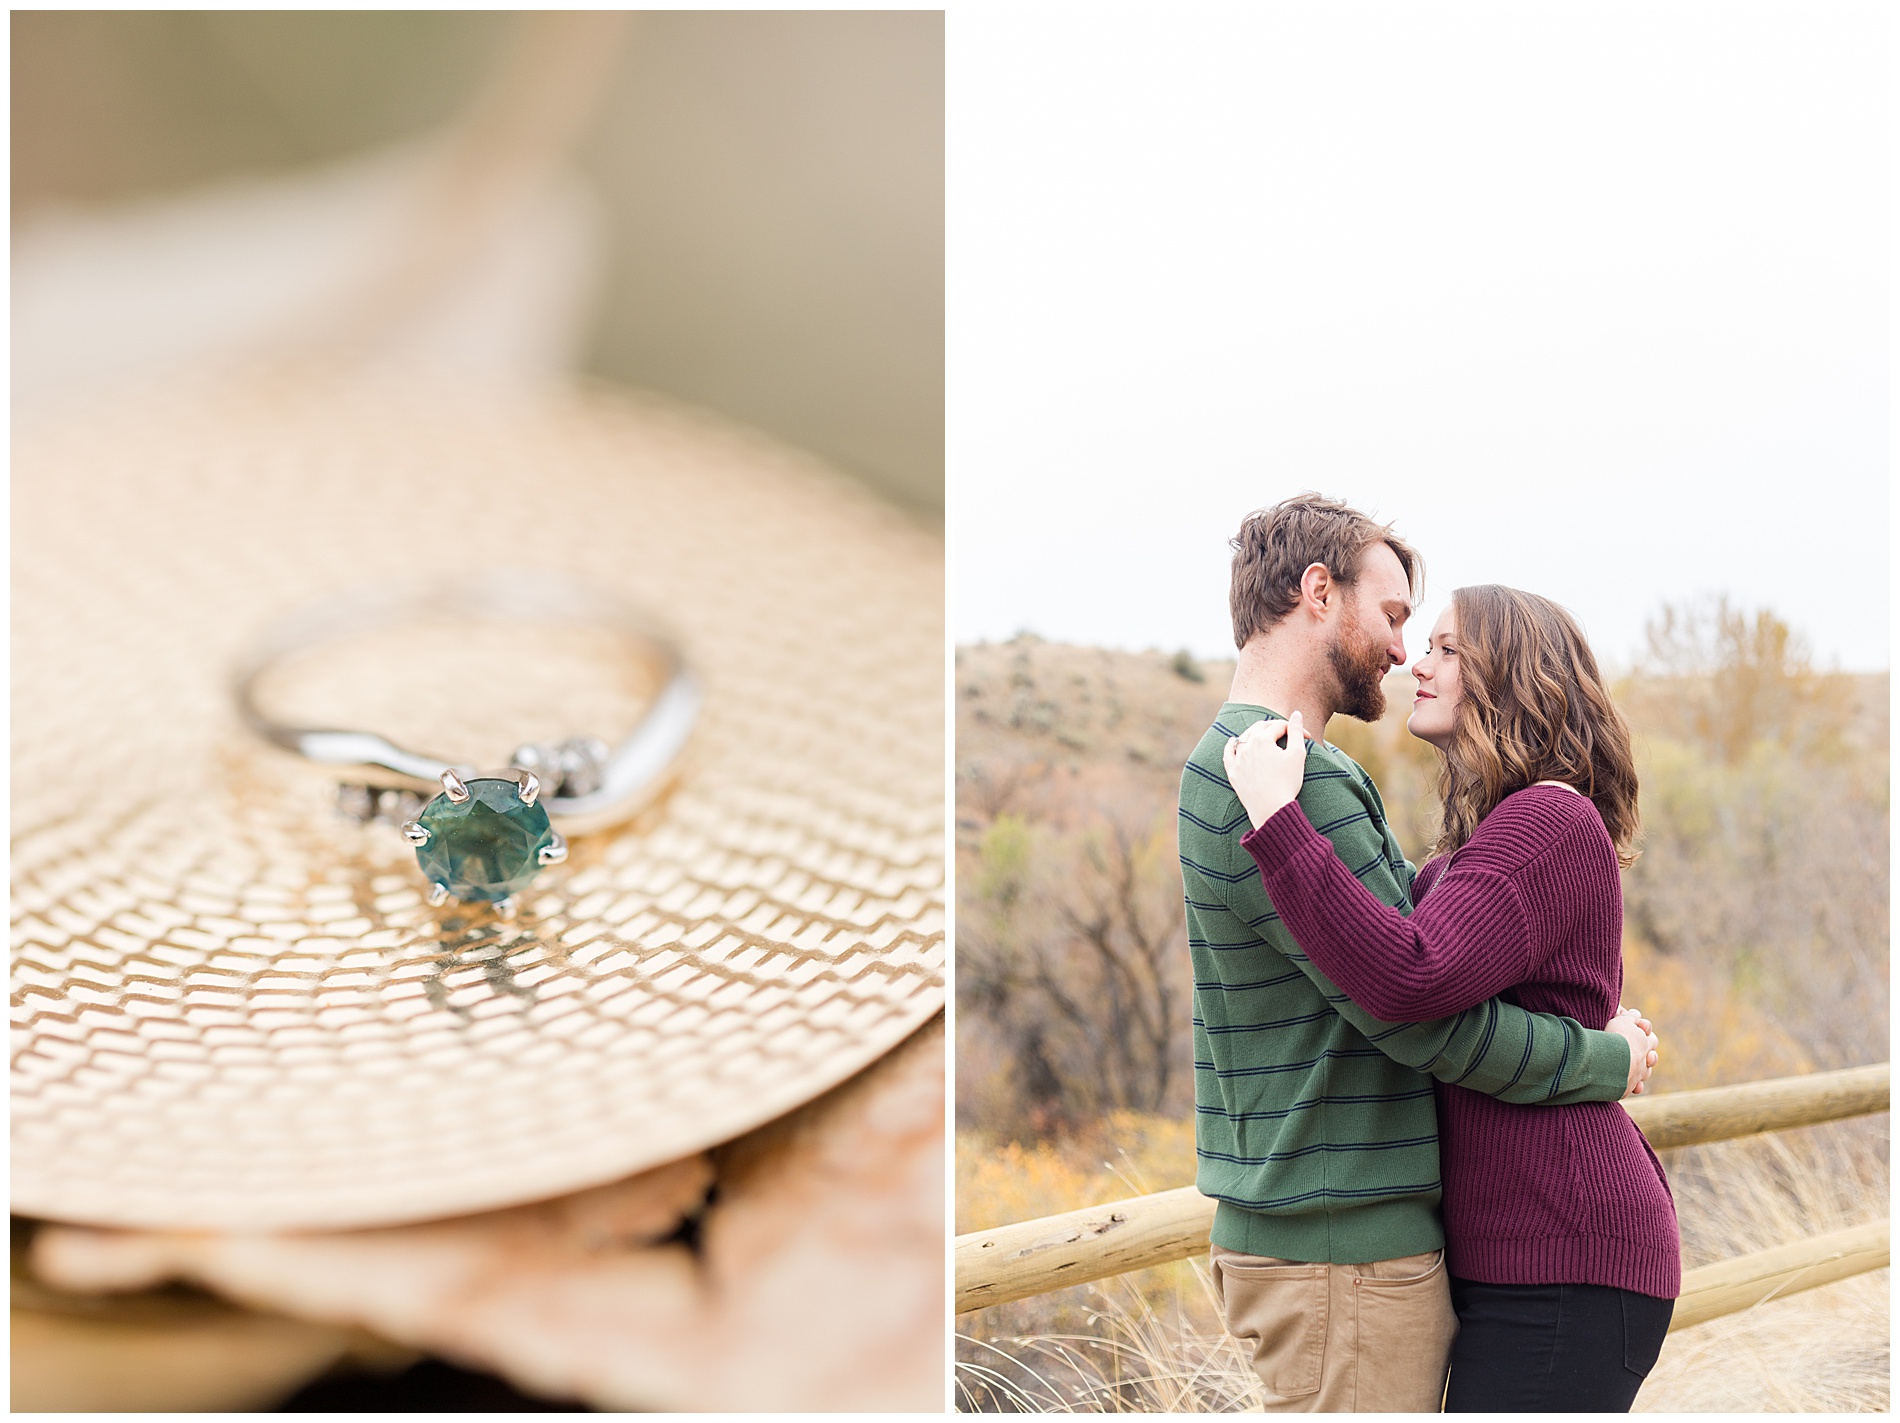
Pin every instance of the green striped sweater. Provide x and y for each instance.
(1315, 1126)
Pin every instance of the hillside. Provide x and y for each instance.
(1030, 702)
(1028, 708)
(1031, 713)
(1764, 936)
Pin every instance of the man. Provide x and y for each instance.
(1316, 1129)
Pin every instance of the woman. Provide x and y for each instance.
(1560, 1232)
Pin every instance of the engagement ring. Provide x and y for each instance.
(484, 836)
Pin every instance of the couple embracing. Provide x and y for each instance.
(1407, 1082)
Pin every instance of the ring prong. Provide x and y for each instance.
(553, 852)
(438, 894)
(530, 786)
(509, 907)
(454, 787)
(415, 832)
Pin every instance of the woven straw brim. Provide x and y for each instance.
(234, 1010)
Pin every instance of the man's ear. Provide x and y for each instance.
(1317, 589)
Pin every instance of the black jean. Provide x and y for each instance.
(1552, 1348)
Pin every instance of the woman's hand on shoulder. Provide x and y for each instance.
(1630, 1025)
(1266, 765)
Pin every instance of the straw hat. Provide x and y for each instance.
(234, 1009)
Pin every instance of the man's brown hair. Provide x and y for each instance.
(1275, 546)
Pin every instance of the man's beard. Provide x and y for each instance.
(1360, 665)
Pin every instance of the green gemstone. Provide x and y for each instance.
(487, 847)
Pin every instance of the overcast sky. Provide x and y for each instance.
(1590, 299)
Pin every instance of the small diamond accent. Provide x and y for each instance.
(567, 768)
(364, 804)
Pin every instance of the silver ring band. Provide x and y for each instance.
(619, 780)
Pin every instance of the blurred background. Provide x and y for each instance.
(743, 210)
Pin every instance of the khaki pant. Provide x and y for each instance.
(1342, 1338)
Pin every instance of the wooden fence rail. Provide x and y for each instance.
(1730, 1286)
(1034, 1257)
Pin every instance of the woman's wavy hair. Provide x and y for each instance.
(1532, 707)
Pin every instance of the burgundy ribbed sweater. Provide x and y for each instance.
(1529, 908)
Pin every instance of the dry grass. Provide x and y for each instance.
(1125, 1154)
(1133, 1355)
(1821, 1351)
(1152, 1341)
(1825, 1351)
